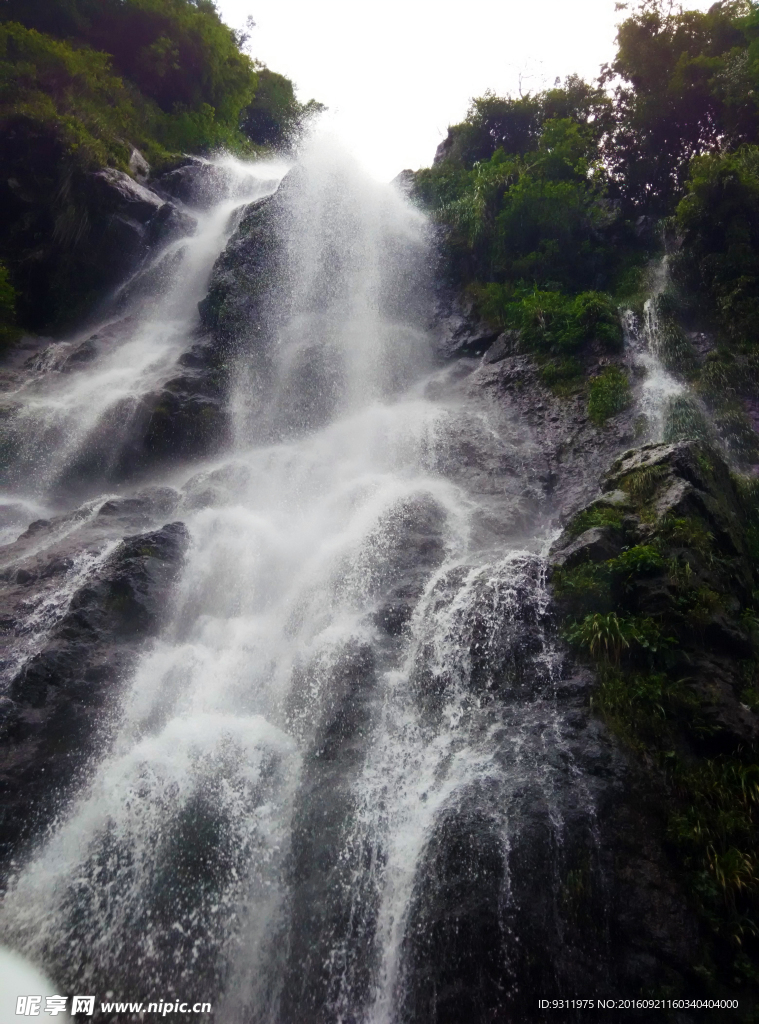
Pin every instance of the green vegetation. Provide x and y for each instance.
(8, 330)
(606, 636)
(167, 75)
(719, 263)
(719, 216)
(687, 81)
(555, 326)
(685, 420)
(646, 618)
(563, 376)
(572, 192)
(595, 515)
(521, 188)
(533, 214)
(275, 115)
(72, 91)
(553, 323)
(608, 394)
(85, 82)
(71, 98)
(177, 52)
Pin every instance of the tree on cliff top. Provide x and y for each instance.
(178, 53)
(515, 124)
(687, 83)
(275, 115)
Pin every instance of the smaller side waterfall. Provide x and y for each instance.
(659, 349)
(646, 343)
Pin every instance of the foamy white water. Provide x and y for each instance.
(291, 750)
(644, 343)
(18, 977)
(63, 414)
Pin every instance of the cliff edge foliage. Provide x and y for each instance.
(83, 83)
(554, 205)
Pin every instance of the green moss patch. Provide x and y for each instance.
(596, 515)
(608, 394)
(666, 623)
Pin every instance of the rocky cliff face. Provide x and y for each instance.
(62, 703)
(609, 691)
(72, 235)
(655, 582)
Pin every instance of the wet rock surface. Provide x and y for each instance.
(558, 453)
(685, 509)
(133, 219)
(197, 183)
(544, 873)
(58, 710)
(118, 192)
(667, 584)
(187, 418)
(549, 873)
(75, 236)
(234, 308)
(462, 333)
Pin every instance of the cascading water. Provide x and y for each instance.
(645, 342)
(65, 419)
(344, 762)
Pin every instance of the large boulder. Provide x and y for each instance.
(116, 192)
(686, 479)
(199, 183)
(236, 306)
(133, 218)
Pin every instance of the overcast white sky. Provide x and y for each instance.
(396, 74)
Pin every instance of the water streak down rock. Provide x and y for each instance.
(60, 708)
(340, 761)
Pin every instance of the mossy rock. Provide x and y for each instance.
(671, 624)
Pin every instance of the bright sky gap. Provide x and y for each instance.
(395, 75)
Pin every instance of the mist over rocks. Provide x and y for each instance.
(60, 708)
(331, 738)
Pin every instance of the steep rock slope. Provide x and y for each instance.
(61, 705)
(655, 582)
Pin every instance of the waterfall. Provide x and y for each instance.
(646, 345)
(72, 415)
(659, 350)
(343, 784)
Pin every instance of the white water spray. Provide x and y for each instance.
(345, 668)
(644, 342)
(66, 410)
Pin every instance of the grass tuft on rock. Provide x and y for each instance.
(608, 394)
